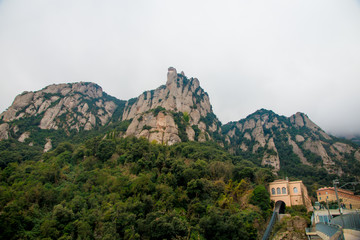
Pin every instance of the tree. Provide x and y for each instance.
(106, 149)
(260, 197)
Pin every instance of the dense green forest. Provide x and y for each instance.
(128, 188)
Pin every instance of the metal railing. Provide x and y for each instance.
(329, 230)
(273, 220)
(351, 221)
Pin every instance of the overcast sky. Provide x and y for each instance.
(284, 55)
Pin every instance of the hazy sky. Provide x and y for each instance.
(284, 55)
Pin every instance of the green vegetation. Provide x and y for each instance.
(157, 110)
(128, 188)
(12, 151)
(186, 117)
(197, 132)
(146, 127)
(181, 123)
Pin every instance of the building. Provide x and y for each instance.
(347, 198)
(291, 193)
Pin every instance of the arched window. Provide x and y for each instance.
(295, 190)
(273, 191)
(283, 190)
(278, 191)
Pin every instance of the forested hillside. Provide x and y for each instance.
(129, 188)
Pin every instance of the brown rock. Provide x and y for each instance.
(4, 131)
(48, 145)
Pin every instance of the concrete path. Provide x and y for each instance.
(351, 234)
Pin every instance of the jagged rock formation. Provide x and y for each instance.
(178, 111)
(265, 133)
(179, 95)
(48, 145)
(71, 107)
(80, 105)
(175, 112)
(160, 128)
(4, 131)
(156, 115)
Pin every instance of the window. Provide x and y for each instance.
(283, 190)
(278, 191)
(319, 194)
(296, 190)
(320, 198)
(273, 191)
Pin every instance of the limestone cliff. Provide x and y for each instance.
(178, 111)
(264, 133)
(70, 107)
(185, 112)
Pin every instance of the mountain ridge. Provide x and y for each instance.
(175, 112)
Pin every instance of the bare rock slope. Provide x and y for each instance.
(177, 111)
(277, 139)
(70, 107)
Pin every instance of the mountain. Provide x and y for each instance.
(71, 107)
(278, 141)
(178, 111)
(175, 112)
(354, 138)
(78, 163)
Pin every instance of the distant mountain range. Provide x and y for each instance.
(176, 112)
(354, 138)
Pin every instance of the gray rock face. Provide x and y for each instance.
(261, 130)
(252, 129)
(297, 150)
(24, 136)
(180, 94)
(83, 106)
(4, 131)
(48, 145)
(161, 128)
(63, 106)
(271, 158)
(180, 108)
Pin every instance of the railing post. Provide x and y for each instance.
(335, 182)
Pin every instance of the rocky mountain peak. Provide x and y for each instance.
(34, 103)
(179, 95)
(266, 134)
(70, 106)
(178, 111)
(302, 120)
(171, 76)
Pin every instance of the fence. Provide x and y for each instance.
(351, 221)
(329, 230)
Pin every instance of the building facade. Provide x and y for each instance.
(347, 198)
(290, 192)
